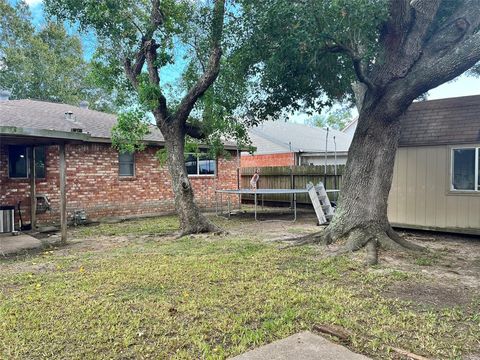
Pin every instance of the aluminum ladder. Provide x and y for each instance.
(321, 203)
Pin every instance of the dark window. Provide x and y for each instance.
(18, 162)
(464, 169)
(126, 164)
(200, 164)
(191, 163)
(206, 165)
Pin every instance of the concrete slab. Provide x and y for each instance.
(301, 346)
(11, 244)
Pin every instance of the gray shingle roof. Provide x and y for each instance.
(439, 122)
(51, 116)
(277, 136)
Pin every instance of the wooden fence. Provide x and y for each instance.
(292, 177)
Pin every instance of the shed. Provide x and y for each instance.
(436, 180)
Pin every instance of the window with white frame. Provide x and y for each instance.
(126, 164)
(465, 169)
(200, 164)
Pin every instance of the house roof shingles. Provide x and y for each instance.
(442, 122)
(278, 137)
(51, 116)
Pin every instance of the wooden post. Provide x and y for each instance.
(63, 193)
(33, 194)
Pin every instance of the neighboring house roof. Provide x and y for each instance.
(33, 114)
(439, 122)
(442, 122)
(351, 126)
(278, 137)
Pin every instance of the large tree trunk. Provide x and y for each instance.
(192, 221)
(361, 217)
(412, 62)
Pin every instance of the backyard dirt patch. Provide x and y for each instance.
(428, 294)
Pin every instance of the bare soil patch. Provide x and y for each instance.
(434, 295)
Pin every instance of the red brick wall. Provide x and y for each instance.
(93, 183)
(283, 159)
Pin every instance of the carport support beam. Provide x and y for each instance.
(33, 195)
(63, 193)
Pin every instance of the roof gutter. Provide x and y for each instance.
(104, 140)
(13, 131)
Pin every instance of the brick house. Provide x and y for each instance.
(99, 180)
(281, 143)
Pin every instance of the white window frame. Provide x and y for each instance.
(197, 155)
(134, 166)
(476, 174)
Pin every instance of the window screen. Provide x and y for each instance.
(126, 164)
(464, 169)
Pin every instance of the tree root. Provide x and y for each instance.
(203, 226)
(315, 238)
(370, 237)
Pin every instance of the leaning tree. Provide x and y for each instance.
(392, 51)
(139, 41)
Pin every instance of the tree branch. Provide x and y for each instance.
(361, 76)
(336, 47)
(199, 55)
(161, 112)
(213, 65)
(448, 64)
(156, 20)
(194, 131)
(404, 36)
(133, 70)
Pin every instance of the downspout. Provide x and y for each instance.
(326, 150)
(239, 169)
(335, 167)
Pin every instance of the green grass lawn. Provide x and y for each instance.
(207, 297)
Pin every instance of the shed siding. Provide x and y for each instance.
(420, 195)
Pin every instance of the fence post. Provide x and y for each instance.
(292, 186)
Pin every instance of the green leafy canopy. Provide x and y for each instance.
(129, 132)
(183, 42)
(45, 64)
(290, 50)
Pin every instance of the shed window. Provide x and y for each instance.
(200, 164)
(465, 169)
(19, 159)
(126, 164)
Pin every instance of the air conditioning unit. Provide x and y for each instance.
(7, 218)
